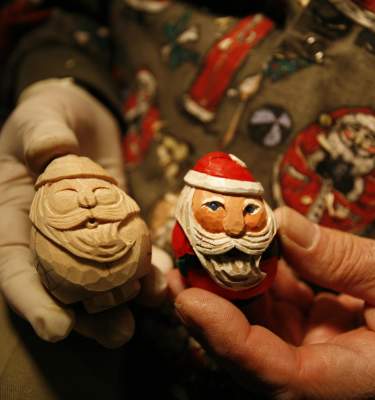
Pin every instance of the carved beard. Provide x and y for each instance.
(93, 234)
(102, 243)
(231, 262)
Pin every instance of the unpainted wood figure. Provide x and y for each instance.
(89, 241)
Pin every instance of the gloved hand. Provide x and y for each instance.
(53, 118)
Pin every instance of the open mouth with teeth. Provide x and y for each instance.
(236, 270)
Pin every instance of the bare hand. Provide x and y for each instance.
(290, 343)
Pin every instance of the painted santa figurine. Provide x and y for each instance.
(224, 238)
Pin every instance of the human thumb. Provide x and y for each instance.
(327, 257)
(246, 350)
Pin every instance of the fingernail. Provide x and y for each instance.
(297, 228)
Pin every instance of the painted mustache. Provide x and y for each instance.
(220, 243)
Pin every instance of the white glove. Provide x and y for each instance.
(53, 118)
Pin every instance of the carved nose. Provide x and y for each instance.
(87, 199)
(234, 224)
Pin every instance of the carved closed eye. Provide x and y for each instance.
(64, 200)
(106, 195)
(66, 190)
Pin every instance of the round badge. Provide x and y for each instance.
(269, 126)
(327, 173)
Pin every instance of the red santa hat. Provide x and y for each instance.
(223, 173)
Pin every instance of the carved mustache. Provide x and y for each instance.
(79, 216)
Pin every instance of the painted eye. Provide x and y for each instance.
(214, 205)
(251, 209)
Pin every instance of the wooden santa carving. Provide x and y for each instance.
(88, 238)
(224, 237)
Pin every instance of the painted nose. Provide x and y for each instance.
(234, 223)
(87, 199)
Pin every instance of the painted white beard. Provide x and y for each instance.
(231, 262)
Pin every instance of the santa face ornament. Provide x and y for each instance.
(224, 238)
(88, 238)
